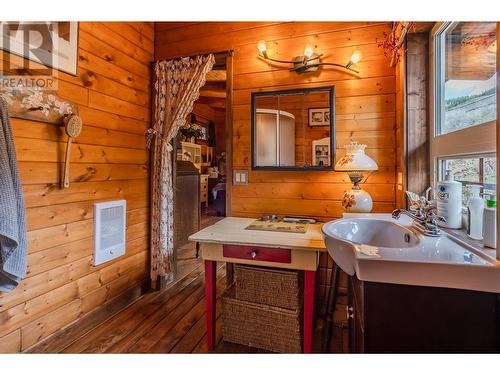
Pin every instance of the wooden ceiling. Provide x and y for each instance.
(214, 91)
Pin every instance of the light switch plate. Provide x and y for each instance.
(240, 177)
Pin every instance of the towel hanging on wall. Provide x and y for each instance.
(13, 239)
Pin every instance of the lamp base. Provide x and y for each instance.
(357, 200)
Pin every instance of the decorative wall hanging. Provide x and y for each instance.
(38, 105)
(319, 116)
(52, 44)
(177, 87)
(393, 42)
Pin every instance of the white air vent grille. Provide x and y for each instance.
(109, 231)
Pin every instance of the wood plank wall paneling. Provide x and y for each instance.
(366, 106)
(366, 110)
(109, 161)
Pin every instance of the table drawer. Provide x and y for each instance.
(263, 254)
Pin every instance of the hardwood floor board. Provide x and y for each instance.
(123, 324)
(158, 331)
(184, 325)
(189, 284)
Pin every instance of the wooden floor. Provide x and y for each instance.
(170, 321)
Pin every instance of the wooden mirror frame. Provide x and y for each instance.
(255, 95)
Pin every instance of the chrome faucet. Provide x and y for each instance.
(424, 216)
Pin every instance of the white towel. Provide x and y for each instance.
(13, 239)
(368, 250)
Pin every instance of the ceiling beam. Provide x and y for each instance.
(216, 76)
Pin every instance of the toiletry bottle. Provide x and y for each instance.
(475, 208)
(490, 223)
(449, 201)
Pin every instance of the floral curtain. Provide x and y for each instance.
(177, 87)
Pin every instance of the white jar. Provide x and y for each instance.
(449, 202)
(490, 223)
(475, 208)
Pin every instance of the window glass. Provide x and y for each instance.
(467, 75)
(473, 170)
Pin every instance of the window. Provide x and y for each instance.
(472, 171)
(463, 67)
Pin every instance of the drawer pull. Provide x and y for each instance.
(255, 253)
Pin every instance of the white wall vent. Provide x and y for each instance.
(109, 231)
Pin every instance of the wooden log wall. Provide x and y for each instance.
(365, 106)
(109, 161)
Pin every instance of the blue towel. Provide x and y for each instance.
(13, 238)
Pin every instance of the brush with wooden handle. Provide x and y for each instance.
(73, 126)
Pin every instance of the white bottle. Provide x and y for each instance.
(475, 208)
(449, 201)
(490, 223)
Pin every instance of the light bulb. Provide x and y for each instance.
(308, 51)
(355, 57)
(262, 47)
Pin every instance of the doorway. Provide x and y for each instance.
(203, 148)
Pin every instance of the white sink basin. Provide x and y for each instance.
(405, 256)
(373, 232)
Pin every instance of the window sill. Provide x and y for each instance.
(461, 234)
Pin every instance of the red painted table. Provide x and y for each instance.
(229, 241)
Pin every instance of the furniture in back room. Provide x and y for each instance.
(207, 155)
(229, 241)
(204, 189)
(190, 152)
(186, 202)
(220, 202)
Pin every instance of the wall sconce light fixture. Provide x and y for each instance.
(310, 61)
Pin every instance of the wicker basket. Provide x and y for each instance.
(260, 326)
(268, 286)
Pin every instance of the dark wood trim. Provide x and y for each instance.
(255, 95)
(229, 131)
(229, 148)
(417, 153)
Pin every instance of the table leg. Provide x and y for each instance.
(309, 285)
(210, 296)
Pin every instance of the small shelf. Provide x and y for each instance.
(190, 152)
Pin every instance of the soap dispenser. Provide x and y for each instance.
(449, 201)
(475, 207)
(490, 222)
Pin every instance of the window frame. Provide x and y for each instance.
(475, 141)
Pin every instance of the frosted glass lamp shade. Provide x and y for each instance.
(355, 159)
(355, 162)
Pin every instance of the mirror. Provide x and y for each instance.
(293, 129)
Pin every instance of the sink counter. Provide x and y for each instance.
(443, 261)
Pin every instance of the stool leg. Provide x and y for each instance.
(331, 303)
